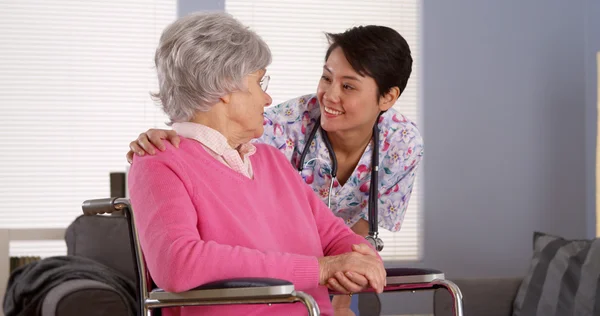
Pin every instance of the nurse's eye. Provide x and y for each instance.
(326, 79)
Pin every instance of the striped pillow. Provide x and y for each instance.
(563, 280)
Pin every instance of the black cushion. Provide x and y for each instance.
(104, 239)
(92, 302)
(84, 297)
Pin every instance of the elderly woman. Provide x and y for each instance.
(334, 136)
(220, 207)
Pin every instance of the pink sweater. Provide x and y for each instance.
(199, 221)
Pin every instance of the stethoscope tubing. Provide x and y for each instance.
(373, 189)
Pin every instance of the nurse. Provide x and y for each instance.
(346, 132)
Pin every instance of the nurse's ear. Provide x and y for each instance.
(389, 99)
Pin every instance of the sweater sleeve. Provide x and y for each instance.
(177, 257)
(336, 238)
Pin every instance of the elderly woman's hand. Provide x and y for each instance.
(346, 273)
(351, 282)
(151, 140)
(347, 282)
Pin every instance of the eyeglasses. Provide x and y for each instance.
(264, 82)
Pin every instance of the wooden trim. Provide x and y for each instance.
(4, 262)
(598, 147)
(8, 235)
(36, 234)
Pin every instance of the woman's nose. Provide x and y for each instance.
(268, 99)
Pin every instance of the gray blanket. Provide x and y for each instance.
(29, 284)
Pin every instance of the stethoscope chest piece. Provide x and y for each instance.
(375, 241)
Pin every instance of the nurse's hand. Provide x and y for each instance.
(150, 141)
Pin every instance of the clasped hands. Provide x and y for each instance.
(354, 271)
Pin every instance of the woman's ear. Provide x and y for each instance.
(226, 98)
(389, 99)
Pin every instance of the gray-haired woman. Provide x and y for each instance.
(221, 207)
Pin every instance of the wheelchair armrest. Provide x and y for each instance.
(412, 275)
(399, 279)
(230, 288)
(243, 282)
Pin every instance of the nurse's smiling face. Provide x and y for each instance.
(348, 100)
(366, 69)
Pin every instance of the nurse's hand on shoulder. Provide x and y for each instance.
(151, 141)
(354, 271)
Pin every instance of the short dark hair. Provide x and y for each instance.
(376, 51)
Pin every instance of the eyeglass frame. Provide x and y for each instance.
(265, 81)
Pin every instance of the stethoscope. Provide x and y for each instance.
(372, 237)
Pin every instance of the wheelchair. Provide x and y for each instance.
(251, 290)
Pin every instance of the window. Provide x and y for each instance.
(294, 30)
(74, 79)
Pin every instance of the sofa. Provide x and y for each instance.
(481, 297)
(563, 279)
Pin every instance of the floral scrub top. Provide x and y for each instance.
(287, 127)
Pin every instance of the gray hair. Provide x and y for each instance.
(202, 57)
